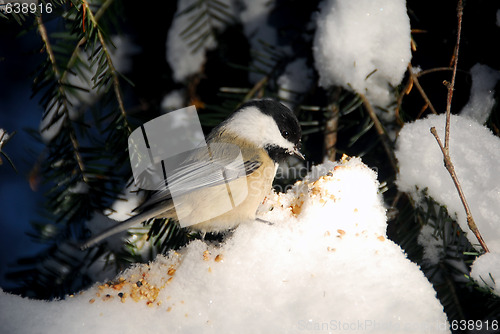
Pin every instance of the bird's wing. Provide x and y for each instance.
(199, 172)
(202, 172)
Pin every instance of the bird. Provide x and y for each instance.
(261, 133)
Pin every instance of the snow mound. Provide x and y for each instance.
(486, 271)
(324, 263)
(363, 46)
(482, 93)
(475, 152)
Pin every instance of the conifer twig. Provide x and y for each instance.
(257, 88)
(414, 79)
(386, 142)
(445, 149)
(112, 69)
(83, 40)
(57, 72)
(4, 138)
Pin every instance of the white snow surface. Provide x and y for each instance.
(174, 100)
(252, 14)
(296, 80)
(254, 19)
(482, 97)
(363, 46)
(432, 244)
(474, 151)
(324, 264)
(486, 267)
(183, 59)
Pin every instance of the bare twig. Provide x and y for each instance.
(413, 81)
(386, 142)
(414, 78)
(460, 11)
(257, 89)
(451, 169)
(432, 70)
(446, 148)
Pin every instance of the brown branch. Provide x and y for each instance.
(399, 102)
(460, 11)
(432, 70)
(413, 80)
(257, 89)
(420, 89)
(451, 169)
(331, 125)
(446, 148)
(386, 142)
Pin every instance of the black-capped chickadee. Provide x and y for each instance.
(264, 133)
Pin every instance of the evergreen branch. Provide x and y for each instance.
(386, 142)
(201, 26)
(48, 46)
(4, 138)
(67, 121)
(112, 69)
(196, 23)
(76, 52)
(199, 42)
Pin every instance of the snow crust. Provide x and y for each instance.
(475, 152)
(486, 271)
(363, 46)
(324, 263)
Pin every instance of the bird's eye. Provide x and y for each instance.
(285, 134)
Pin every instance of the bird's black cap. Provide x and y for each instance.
(286, 120)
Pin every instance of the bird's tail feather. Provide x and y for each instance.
(124, 225)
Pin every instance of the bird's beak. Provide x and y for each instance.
(297, 153)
